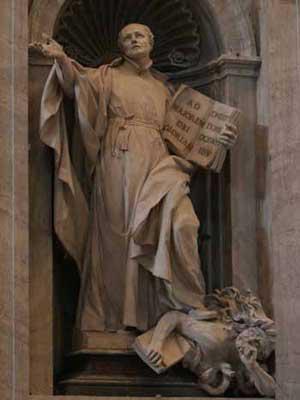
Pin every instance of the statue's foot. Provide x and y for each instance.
(203, 314)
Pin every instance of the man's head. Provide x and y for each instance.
(136, 41)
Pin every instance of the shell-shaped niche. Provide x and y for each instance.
(88, 30)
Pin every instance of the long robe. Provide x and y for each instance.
(124, 213)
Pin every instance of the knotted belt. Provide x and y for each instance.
(122, 136)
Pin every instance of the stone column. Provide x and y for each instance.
(239, 89)
(283, 21)
(41, 302)
(233, 78)
(13, 201)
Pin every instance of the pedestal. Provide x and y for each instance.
(122, 375)
(104, 364)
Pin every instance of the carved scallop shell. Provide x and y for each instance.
(88, 30)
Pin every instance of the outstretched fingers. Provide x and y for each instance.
(35, 46)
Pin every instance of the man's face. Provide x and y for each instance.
(135, 42)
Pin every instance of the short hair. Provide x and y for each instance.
(145, 27)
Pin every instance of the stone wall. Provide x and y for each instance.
(282, 19)
(276, 24)
(278, 186)
(13, 201)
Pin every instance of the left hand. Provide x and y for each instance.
(49, 48)
(154, 355)
(229, 136)
(248, 355)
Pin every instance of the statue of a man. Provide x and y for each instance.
(122, 211)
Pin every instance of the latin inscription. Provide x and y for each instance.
(178, 136)
(189, 115)
(194, 126)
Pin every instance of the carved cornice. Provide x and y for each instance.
(221, 68)
(227, 65)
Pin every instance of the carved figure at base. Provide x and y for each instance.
(232, 351)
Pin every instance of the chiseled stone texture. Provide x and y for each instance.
(13, 201)
(284, 75)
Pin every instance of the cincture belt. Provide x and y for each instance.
(123, 134)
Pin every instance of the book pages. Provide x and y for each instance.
(194, 123)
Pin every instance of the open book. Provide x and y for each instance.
(192, 127)
(174, 349)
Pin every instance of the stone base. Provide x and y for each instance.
(103, 342)
(122, 375)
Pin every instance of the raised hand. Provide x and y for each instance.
(49, 48)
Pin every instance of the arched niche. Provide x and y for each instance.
(227, 70)
(227, 23)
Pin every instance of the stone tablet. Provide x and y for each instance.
(193, 126)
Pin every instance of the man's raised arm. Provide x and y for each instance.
(51, 49)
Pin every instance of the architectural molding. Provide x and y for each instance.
(226, 65)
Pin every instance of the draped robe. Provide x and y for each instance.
(121, 205)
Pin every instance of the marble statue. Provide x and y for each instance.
(232, 350)
(121, 205)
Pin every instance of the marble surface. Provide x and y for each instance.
(13, 201)
(284, 92)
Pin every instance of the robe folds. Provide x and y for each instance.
(121, 205)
